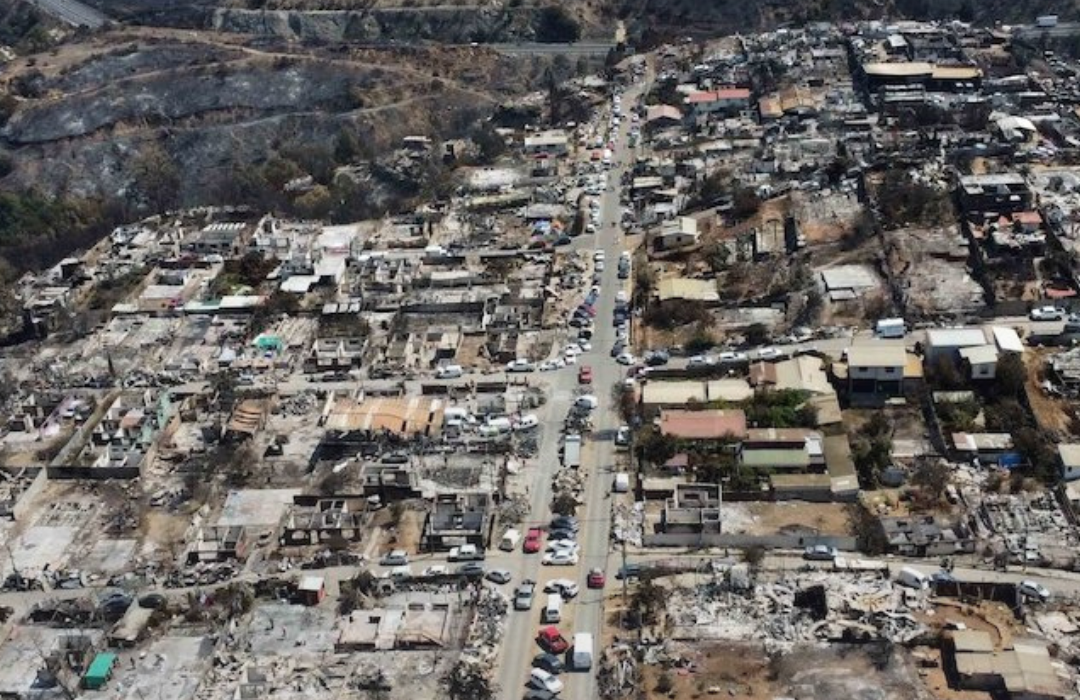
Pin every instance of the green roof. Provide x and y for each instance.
(99, 670)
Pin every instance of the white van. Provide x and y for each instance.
(622, 482)
(890, 328)
(510, 540)
(553, 609)
(912, 578)
(449, 371)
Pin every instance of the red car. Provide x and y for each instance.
(532, 543)
(596, 579)
(551, 640)
(584, 375)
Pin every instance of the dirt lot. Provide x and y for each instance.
(827, 518)
(739, 670)
(1050, 413)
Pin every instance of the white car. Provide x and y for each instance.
(587, 401)
(1033, 589)
(733, 356)
(547, 366)
(598, 256)
(585, 345)
(1047, 313)
(435, 570)
(519, 365)
(563, 586)
(771, 353)
(539, 678)
(622, 297)
(625, 358)
(562, 546)
(562, 557)
(572, 350)
(599, 266)
(701, 361)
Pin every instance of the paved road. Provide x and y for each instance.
(72, 11)
(584, 613)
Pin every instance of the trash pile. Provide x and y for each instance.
(618, 676)
(513, 509)
(488, 625)
(568, 481)
(300, 404)
(812, 606)
(201, 575)
(628, 523)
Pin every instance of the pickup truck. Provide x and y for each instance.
(466, 552)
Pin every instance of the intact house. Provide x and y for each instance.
(678, 233)
(993, 448)
(875, 369)
(730, 100)
(547, 143)
(976, 350)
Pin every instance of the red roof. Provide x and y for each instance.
(703, 425)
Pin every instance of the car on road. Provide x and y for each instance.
(562, 534)
(562, 546)
(699, 361)
(499, 576)
(562, 557)
(519, 365)
(1033, 589)
(733, 356)
(523, 595)
(548, 662)
(625, 358)
(584, 375)
(622, 436)
(1046, 313)
(587, 402)
(532, 543)
(657, 358)
(621, 297)
(771, 353)
(397, 557)
(598, 255)
(539, 678)
(537, 694)
(471, 569)
(565, 522)
(563, 586)
(596, 578)
(618, 348)
(551, 639)
(820, 552)
(599, 266)
(435, 570)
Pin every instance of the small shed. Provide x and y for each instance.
(100, 671)
(312, 590)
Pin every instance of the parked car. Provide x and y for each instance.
(471, 569)
(596, 578)
(625, 358)
(820, 552)
(585, 375)
(499, 576)
(771, 353)
(562, 535)
(563, 586)
(733, 356)
(537, 694)
(629, 571)
(657, 358)
(532, 543)
(523, 595)
(548, 662)
(397, 557)
(1033, 589)
(1046, 313)
(519, 365)
(565, 522)
(551, 639)
(562, 557)
(562, 546)
(622, 436)
(539, 678)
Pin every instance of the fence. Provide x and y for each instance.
(670, 539)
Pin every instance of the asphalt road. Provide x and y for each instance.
(584, 613)
(72, 12)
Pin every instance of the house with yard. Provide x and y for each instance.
(713, 424)
(875, 369)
